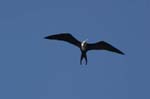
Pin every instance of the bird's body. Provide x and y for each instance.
(83, 51)
(84, 46)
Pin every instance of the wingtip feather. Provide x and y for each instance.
(46, 37)
(122, 53)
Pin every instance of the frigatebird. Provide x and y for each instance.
(84, 46)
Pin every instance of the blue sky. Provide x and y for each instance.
(34, 68)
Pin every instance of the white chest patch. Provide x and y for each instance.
(83, 45)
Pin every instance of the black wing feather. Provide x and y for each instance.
(103, 46)
(65, 37)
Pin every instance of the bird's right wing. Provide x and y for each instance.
(65, 37)
(103, 46)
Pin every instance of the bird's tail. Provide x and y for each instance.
(81, 59)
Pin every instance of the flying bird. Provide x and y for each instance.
(84, 46)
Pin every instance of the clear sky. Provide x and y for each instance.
(35, 68)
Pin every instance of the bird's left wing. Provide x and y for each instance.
(103, 46)
(65, 37)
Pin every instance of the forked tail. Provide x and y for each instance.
(83, 56)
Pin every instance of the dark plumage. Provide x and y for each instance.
(84, 47)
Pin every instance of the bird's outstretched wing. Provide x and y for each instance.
(103, 46)
(65, 37)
